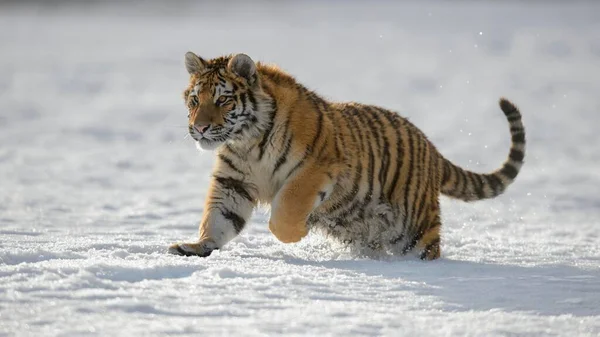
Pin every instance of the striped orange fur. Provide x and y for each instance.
(357, 173)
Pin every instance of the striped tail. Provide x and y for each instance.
(469, 186)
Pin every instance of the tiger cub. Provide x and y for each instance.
(358, 173)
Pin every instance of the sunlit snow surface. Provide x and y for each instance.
(96, 178)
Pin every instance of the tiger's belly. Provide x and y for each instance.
(376, 225)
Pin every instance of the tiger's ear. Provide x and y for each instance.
(194, 63)
(243, 66)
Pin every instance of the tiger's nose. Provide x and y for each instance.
(201, 127)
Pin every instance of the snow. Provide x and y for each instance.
(97, 177)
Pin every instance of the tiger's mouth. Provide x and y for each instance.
(210, 140)
(216, 135)
(208, 144)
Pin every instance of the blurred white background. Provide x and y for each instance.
(96, 178)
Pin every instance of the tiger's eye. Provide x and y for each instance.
(221, 99)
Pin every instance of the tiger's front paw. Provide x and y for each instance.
(288, 234)
(201, 249)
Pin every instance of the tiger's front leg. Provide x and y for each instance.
(229, 205)
(296, 200)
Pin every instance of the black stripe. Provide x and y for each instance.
(348, 212)
(373, 121)
(351, 194)
(297, 166)
(424, 194)
(229, 163)
(495, 183)
(410, 245)
(460, 182)
(220, 78)
(263, 143)
(446, 175)
(237, 221)
(419, 177)
(470, 190)
(355, 127)
(319, 153)
(384, 149)
(427, 169)
(322, 195)
(400, 150)
(509, 109)
(354, 118)
(186, 253)
(432, 247)
(338, 153)
(465, 187)
(315, 101)
(243, 99)
(337, 136)
(509, 171)
(516, 129)
(345, 118)
(234, 152)
(518, 137)
(478, 185)
(319, 127)
(252, 100)
(516, 155)
(285, 127)
(371, 156)
(409, 178)
(283, 157)
(399, 163)
(238, 186)
(371, 175)
(514, 118)
(506, 106)
(512, 113)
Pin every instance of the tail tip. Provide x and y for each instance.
(507, 106)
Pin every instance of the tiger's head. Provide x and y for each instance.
(225, 100)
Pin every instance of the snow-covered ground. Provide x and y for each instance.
(97, 178)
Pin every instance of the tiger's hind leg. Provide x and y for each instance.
(429, 242)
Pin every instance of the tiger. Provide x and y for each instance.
(360, 174)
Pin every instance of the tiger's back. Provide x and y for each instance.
(358, 173)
